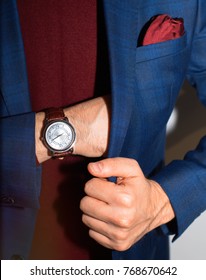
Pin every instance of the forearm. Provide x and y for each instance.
(91, 122)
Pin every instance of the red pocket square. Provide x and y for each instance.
(163, 28)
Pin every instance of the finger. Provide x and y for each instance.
(117, 245)
(101, 189)
(101, 239)
(96, 209)
(118, 167)
(112, 232)
(96, 225)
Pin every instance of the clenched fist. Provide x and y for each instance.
(119, 214)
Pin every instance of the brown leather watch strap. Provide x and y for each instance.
(62, 154)
(54, 114)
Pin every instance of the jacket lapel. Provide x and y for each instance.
(121, 23)
(14, 97)
(122, 39)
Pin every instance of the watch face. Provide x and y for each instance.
(60, 136)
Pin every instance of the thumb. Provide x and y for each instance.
(115, 167)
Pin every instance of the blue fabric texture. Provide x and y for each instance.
(19, 175)
(145, 82)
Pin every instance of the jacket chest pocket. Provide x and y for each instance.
(160, 71)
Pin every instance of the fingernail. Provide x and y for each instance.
(96, 166)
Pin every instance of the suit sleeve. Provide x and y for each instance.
(20, 175)
(184, 181)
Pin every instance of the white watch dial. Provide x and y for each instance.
(60, 136)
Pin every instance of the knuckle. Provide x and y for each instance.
(133, 162)
(122, 236)
(122, 246)
(89, 185)
(125, 222)
(134, 165)
(126, 200)
(84, 204)
(117, 235)
(84, 219)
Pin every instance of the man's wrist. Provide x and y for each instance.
(163, 210)
(41, 151)
(90, 120)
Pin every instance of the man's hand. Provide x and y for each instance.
(119, 214)
(91, 122)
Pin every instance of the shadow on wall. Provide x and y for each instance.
(190, 126)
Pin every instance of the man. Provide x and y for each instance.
(54, 80)
(145, 81)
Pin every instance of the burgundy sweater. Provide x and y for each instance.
(64, 67)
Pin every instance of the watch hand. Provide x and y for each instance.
(57, 136)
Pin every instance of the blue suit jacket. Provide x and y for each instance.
(145, 85)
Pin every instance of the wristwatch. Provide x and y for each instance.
(58, 135)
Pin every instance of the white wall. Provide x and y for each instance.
(192, 244)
